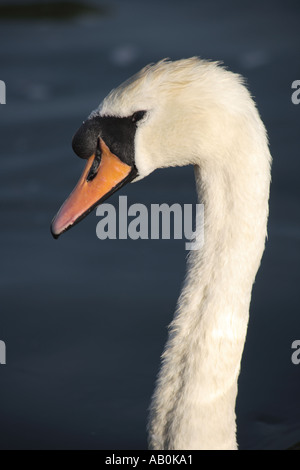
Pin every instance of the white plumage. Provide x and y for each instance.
(199, 113)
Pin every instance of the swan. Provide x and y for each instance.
(175, 113)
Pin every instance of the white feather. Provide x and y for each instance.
(199, 113)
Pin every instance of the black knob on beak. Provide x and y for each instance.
(85, 139)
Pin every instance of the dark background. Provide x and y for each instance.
(85, 320)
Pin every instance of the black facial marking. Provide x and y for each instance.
(117, 133)
(95, 165)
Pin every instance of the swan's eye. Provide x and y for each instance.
(137, 116)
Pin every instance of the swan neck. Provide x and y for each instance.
(193, 405)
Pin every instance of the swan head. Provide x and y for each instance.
(168, 114)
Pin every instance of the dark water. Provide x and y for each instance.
(85, 321)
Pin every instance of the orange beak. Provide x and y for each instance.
(103, 175)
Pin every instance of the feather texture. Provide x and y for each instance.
(200, 113)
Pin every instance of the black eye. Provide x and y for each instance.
(138, 116)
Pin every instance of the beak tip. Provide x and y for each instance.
(54, 233)
(56, 237)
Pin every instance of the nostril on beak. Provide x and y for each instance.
(96, 163)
